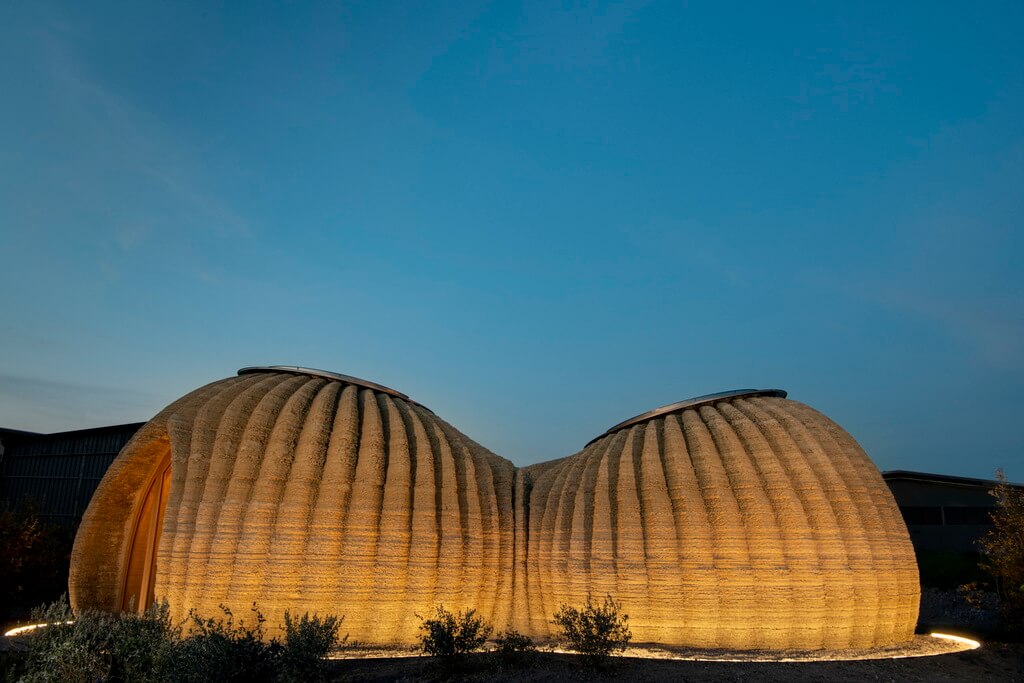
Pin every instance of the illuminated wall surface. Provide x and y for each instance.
(746, 522)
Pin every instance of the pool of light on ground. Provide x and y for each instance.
(928, 645)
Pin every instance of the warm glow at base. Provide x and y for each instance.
(338, 496)
(930, 645)
(28, 628)
(919, 646)
(971, 644)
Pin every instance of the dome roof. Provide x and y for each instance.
(299, 490)
(740, 520)
(734, 520)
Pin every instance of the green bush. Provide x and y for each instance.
(218, 649)
(69, 650)
(512, 642)
(98, 645)
(514, 649)
(12, 664)
(595, 631)
(307, 640)
(450, 635)
(141, 646)
(131, 647)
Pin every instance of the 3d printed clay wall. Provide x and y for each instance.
(748, 521)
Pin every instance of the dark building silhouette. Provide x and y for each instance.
(56, 474)
(943, 512)
(946, 517)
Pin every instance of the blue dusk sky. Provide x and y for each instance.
(537, 219)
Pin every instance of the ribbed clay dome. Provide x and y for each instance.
(738, 520)
(744, 520)
(303, 492)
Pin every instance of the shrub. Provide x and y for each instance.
(449, 635)
(511, 642)
(141, 646)
(68, 650)
(595, 631)
(98, 646)
(307, 640)
(12, 664)
(514, 649)
(218, 649)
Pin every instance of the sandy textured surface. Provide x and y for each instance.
(750, 523)
(753, 523)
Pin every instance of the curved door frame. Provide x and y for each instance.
(156, 490)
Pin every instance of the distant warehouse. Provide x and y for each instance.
(56, 474)
(943, 513)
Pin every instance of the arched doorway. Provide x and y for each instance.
(139, 578)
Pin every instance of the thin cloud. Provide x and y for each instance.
(142, 179)
(995, 334)
(991, 329)
(44, 404)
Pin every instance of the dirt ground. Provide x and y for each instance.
(992, 662)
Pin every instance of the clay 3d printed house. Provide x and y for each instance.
(740, 520)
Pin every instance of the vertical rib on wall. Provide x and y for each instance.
(300, 493)
(751, 523)
(755, 522)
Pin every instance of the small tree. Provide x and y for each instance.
(448, 634)
(595, 631)
(1002, 550)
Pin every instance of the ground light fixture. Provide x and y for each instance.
(22, 630)
(967, 642)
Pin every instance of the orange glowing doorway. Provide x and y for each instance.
(139, 579)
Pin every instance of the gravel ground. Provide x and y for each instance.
(992, 662)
